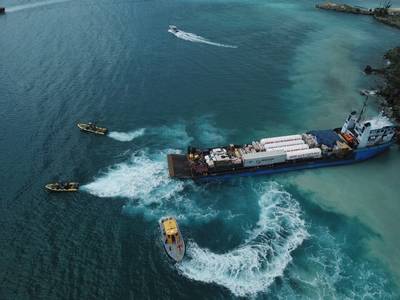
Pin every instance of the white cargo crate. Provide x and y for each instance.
(279, 139)
(283, 144)
(290, 148)
(263, 158)
(304, 154)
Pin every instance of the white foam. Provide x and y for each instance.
(33, 5)
(142, 177)
(252, 267)
(126, 136)
(191, 37)
(380, 121)
(144, 183)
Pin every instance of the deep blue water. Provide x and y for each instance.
(329, 233)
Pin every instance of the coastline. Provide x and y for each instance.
(386, 14)
(390, 91)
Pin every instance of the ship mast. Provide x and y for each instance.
(363, 109)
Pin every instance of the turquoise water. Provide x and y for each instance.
(328, 233)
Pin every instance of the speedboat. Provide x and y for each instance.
(2, 10)
(62, 187)
(173, 29)
(172, 238)
(92, 128)
(365, 92)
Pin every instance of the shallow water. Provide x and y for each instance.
(328, 233)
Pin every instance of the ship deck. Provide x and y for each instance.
(178, 166)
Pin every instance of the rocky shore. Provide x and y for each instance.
(389, 93)
(384, 14)
(393, 21)
(345, 8)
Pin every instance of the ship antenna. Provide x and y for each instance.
(363, 108)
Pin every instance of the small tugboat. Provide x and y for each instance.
(2, 10)
(62, 187)
(172, 238)
(365, 92)
(92, 128)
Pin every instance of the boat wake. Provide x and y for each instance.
(126, 136)
(33, 5)
(252, 267)
(191, 37)
(144, 176)
(144, 182)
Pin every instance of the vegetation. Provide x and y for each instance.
(391, 90)
(383, 10)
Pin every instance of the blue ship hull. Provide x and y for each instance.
(358, 155)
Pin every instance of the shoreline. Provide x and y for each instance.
(385, 14)
(389, 93)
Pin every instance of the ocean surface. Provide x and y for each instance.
(239, 71)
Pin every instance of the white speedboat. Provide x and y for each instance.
(173, 29)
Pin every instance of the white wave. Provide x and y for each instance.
(126, 136)
(191, 37)
(252, 267)
(144, 182)
(33, 5)
(142, 177)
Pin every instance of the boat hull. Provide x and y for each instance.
(85, 128)
(357, 156)
(53, 187)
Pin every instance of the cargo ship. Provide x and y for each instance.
(357, 140)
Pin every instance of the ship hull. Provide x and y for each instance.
(357, 156)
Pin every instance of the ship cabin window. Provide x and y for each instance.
(172, 238)
(171, 230)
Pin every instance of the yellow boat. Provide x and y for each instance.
(92, 128)
(62, 187)
(172, 238)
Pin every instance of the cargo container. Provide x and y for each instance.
(290, 148)
(263, 158)
(279, 139)
(304, 154)
(283, 144)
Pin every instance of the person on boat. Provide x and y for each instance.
(173, 28)
(92, 126)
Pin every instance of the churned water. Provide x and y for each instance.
(240, 71)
